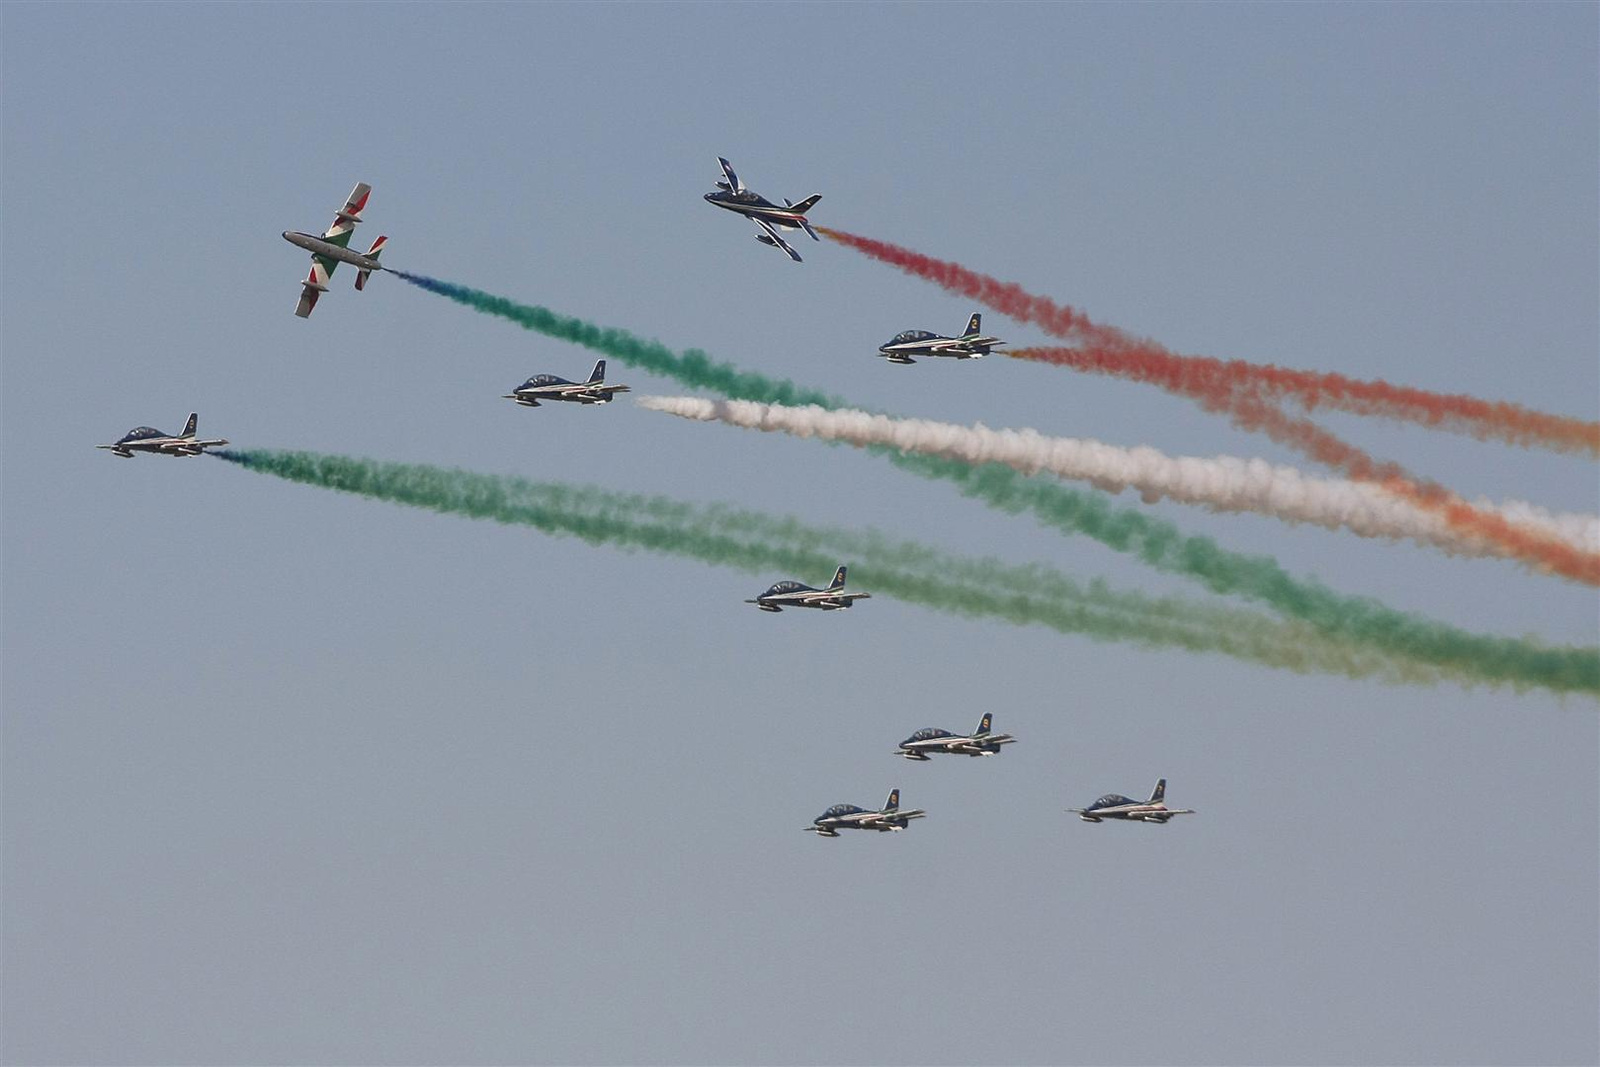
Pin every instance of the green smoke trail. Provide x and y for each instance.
(1157, 543)
(751, 541)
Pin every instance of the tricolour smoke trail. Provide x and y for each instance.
(1112, 346)
(754, 542)
(1153, 541)
(1108, 350)
(1222, 483)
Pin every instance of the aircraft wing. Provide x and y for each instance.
(734, 184)
(843, 599)
(351, 212)
(773, 238)
(315, 285)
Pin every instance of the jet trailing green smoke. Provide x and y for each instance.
(1156, 542)
(758, 543)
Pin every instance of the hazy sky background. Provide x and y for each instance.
(291, 776)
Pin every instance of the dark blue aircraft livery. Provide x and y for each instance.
(1117, 806)
(849, 817)
(970, 345)
(150, 439)
(731, 195)
(792, 594)
(549, 387)
(925, 742)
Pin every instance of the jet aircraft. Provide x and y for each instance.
(150, 439)
(732, 195)
(549, 387)
(332, 249)
(922, 744)
(849, 817)
(1116, 806)
(970, 345)
(794, 595)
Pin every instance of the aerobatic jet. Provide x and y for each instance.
(970, 345)
(794, 595)
(150, 439)
(732, 195)
(549, 387)
(332, 249)
(1117, 806)
(849, 817)
(923, 743)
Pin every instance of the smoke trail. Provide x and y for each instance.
(692, 367)
(1113, 348)
(1221, 484)
(751, 541)
(1108, 350)
(1156, 543)
(1534, 546)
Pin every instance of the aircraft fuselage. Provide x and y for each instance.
(783, 218)
(318, 247)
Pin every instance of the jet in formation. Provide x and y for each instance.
(732, 195)
(970, 345)
(549, 387)
(332, 249)
(1117, 806)
(795, 595)
(849, 817)
(924, 743)
(150, 439)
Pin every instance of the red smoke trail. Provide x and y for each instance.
(1108, 350)
(1251, 413)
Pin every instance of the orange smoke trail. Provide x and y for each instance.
(1108, 350)
(1556, 556)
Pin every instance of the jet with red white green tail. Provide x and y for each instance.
(332, 249)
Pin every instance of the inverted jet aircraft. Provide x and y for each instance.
(732, 195)
(150, 439)
(794, 595)
(970, 345)
(332, 249)
(1117, 806)
(549, 387)
(922, 744)
(849, 817)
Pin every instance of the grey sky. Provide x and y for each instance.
(295, 777)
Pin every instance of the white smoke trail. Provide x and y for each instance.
(1221, 483)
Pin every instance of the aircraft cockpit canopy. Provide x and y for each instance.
(1112, 800)
(842, 809)
(928, 733)
(544, 379)
(787, 587)
(911, 335)
(143, 433)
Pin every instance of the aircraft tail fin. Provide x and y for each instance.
(983, 727)
(893, 803)
(838, 579)
(362, 275)
(598, 375)
(192, 426)
(807, 204)
(974, 325)
(1159, 793)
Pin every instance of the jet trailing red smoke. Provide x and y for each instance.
(1109, 350)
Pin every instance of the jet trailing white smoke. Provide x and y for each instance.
(1220, 483)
